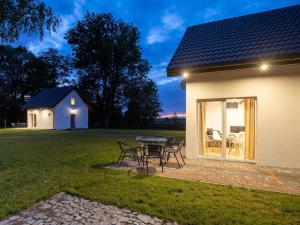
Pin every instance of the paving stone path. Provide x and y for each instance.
(63, 208)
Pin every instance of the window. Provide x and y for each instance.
(73, 102)
(228, 128)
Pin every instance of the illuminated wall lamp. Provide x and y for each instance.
(264, 67)
(185, 75)
(73, 111)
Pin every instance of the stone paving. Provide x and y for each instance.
(239, 174)
(64, 208)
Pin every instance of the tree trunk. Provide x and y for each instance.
(107, 119)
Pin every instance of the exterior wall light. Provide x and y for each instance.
(73, 111)
(264, 66)
(185, 75)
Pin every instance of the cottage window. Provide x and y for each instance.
(73, 102)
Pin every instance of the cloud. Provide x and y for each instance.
(172, 21)
(169, 23)
(78, 7)
(254, 5)
(168, 80)
(56, 39)
(156, 35)
(158, 74)
(210, 13)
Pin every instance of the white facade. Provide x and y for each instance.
(43, 118)
(59, 117)
(64, 109)
(277, 92)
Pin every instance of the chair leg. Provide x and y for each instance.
(137, 157)
(161, 161)
(134, 157)
(147, 165)
(163, 158)
(122, 159)
(182, 158)
(177, 160)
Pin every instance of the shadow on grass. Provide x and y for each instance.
(1, 165)
(100, 165)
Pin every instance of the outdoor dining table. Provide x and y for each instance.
(153, 142)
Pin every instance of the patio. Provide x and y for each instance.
(238, 174)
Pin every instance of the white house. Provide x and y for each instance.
(242, 80)
(57, 108)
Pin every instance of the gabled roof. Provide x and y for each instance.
(270, 35)
(49, 97)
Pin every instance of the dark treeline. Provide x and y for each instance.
(22, 74)
(106, 65)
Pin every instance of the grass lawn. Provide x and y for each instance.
(37, 164)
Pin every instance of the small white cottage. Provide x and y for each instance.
(57, 108)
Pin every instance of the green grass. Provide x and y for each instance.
(37, 164)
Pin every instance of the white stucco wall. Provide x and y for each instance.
(277, 113)
(62, 116)
(44, 118)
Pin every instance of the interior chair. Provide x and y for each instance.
(240, 142)
(216, 139)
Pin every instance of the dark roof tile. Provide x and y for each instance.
(48, 98)
(267, 34)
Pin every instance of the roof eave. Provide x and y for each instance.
(232, 66)
(36, 107)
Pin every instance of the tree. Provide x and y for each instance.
(25, 16)
(59, 67)
(108, 53)
(21, 74)
(142, 102)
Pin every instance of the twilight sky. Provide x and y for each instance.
(161, 23)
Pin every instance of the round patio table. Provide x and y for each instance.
(153, 140)
(153, 143)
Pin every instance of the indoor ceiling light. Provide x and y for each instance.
(264, 66)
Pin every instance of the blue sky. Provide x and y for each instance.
(161, 23)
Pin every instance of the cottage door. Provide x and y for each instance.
(73, 121)
(32, 119)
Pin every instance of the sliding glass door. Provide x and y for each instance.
(212, 124)
(227, 128)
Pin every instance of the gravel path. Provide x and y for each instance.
(63, 208)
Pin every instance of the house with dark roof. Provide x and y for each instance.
(57, 108)
(242, 81)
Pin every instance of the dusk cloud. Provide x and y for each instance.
(56, 39)
(210, 13)
(169, 22)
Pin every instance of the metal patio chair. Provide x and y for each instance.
(175, 146)
(127, 149)
(152, 151)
